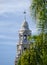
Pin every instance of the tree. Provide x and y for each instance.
(39, 9)
(37, 54)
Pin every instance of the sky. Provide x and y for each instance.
(11, 19)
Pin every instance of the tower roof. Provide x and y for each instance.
(25, 26)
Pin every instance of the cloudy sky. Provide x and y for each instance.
(11, 18)
(13, 6)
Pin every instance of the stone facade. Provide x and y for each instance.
(23, 43)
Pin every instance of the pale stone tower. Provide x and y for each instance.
(23, 43)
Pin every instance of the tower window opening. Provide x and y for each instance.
(25, 48)
(25, 37)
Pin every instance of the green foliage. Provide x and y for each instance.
(39, 10)
(36, 55)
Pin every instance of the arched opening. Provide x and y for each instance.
(25, 48)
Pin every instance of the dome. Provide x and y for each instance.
(24, 26)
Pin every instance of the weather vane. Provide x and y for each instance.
(25, 15)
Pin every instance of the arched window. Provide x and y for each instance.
(25, 37)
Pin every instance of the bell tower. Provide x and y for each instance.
(23, 43)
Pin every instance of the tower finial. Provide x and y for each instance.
(25, 15)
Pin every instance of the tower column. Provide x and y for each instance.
(23, 43)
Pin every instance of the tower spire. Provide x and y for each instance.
(25, 15)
